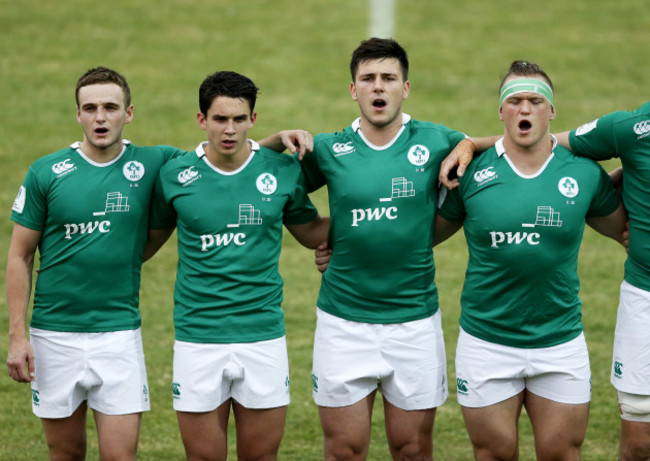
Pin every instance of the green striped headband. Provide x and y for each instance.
(522, 85)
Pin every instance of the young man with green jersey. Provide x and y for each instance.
(229, 200)
(523, 205)
(626, 135)
(622, 134)
(378, 321)
(85, 208)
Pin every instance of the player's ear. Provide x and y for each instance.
(200, 117)
(353, 91)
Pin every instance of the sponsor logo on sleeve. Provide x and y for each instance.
(586, 128)
(19, 201)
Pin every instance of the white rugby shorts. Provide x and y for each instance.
(488, 373)
(106, 369)
(406, 361)
(256, 375)
(631, 356)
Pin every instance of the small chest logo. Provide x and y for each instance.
(187, 176)
(61, 167)
(418, 155)
(568, 187)
(266, 183)
(133, 171)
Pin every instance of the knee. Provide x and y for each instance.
(67, 450)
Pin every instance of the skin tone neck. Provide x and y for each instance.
(527, 138)
(379, 89)
(102, 113)
(226, 125)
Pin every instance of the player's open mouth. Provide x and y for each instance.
(379, 103)
(101, 130)
(525, 126)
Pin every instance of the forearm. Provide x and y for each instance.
(18, 286)
(483, 144)
(273, 142)
(312, 234)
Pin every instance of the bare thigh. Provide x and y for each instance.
(259, 432)
(493, 429)
(66, 437)
(559, 428)
(409, 432)
(118, 435)
(205, 434)
(346, 430)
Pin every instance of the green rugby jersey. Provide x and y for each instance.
(523, 234)
(382, 205)
(229, 225)
(94, 219)
(626, 135)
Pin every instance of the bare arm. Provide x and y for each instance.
(155, 240)
(611, 226)
(312, 234)
(461, 156)
(20, 264)
(300, 141)
(444, 229)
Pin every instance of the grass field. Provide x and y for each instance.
(298, 54)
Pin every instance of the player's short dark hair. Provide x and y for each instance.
(101, 75)
(525, 69)
(379, 48)
(229, 84)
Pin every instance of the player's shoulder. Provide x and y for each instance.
(275, 157)
(566, 156)
(182, 160)
(158, 152)
(62, 159)
(345, 134)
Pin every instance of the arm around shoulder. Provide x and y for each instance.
(311, 234)
(612, 225)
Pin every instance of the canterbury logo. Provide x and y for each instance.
(341, 148)
(186, 175)
(60, 167)
(482, 175)
(642, 127)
